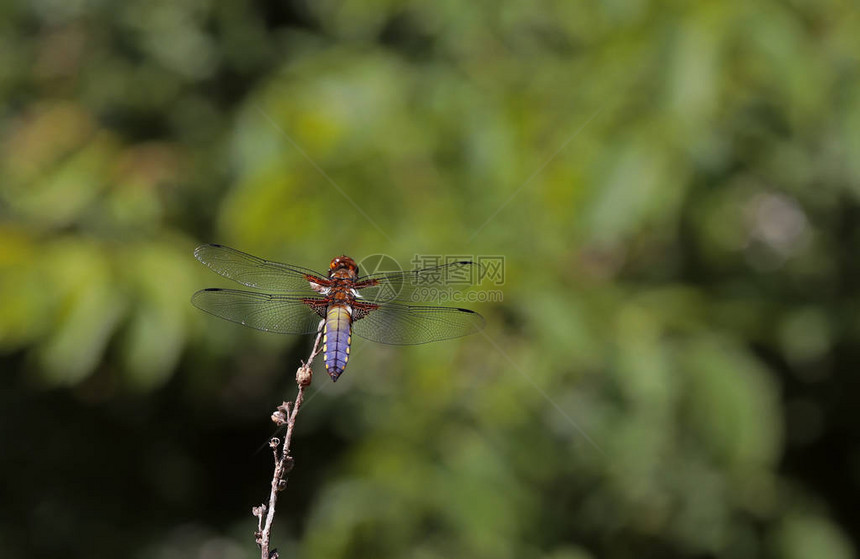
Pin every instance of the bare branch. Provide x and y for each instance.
(284, 414)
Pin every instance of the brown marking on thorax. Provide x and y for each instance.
(343, 271)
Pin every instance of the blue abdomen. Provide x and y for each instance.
(336, 340)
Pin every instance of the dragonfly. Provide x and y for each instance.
(297, 300)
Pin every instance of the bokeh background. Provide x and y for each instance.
(675, 188)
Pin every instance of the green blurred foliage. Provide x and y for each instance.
(675, 188)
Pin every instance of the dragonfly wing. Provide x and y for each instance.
(426, 284)
(256, 272)
(282, 314)
(393, 323)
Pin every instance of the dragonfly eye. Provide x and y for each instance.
(343, 263)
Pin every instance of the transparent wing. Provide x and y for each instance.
(282, 314)
(393, 323)
(426, 284)
(256, 272)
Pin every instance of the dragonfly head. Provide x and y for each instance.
(344, 263)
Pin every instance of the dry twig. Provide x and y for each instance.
(285, 414)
